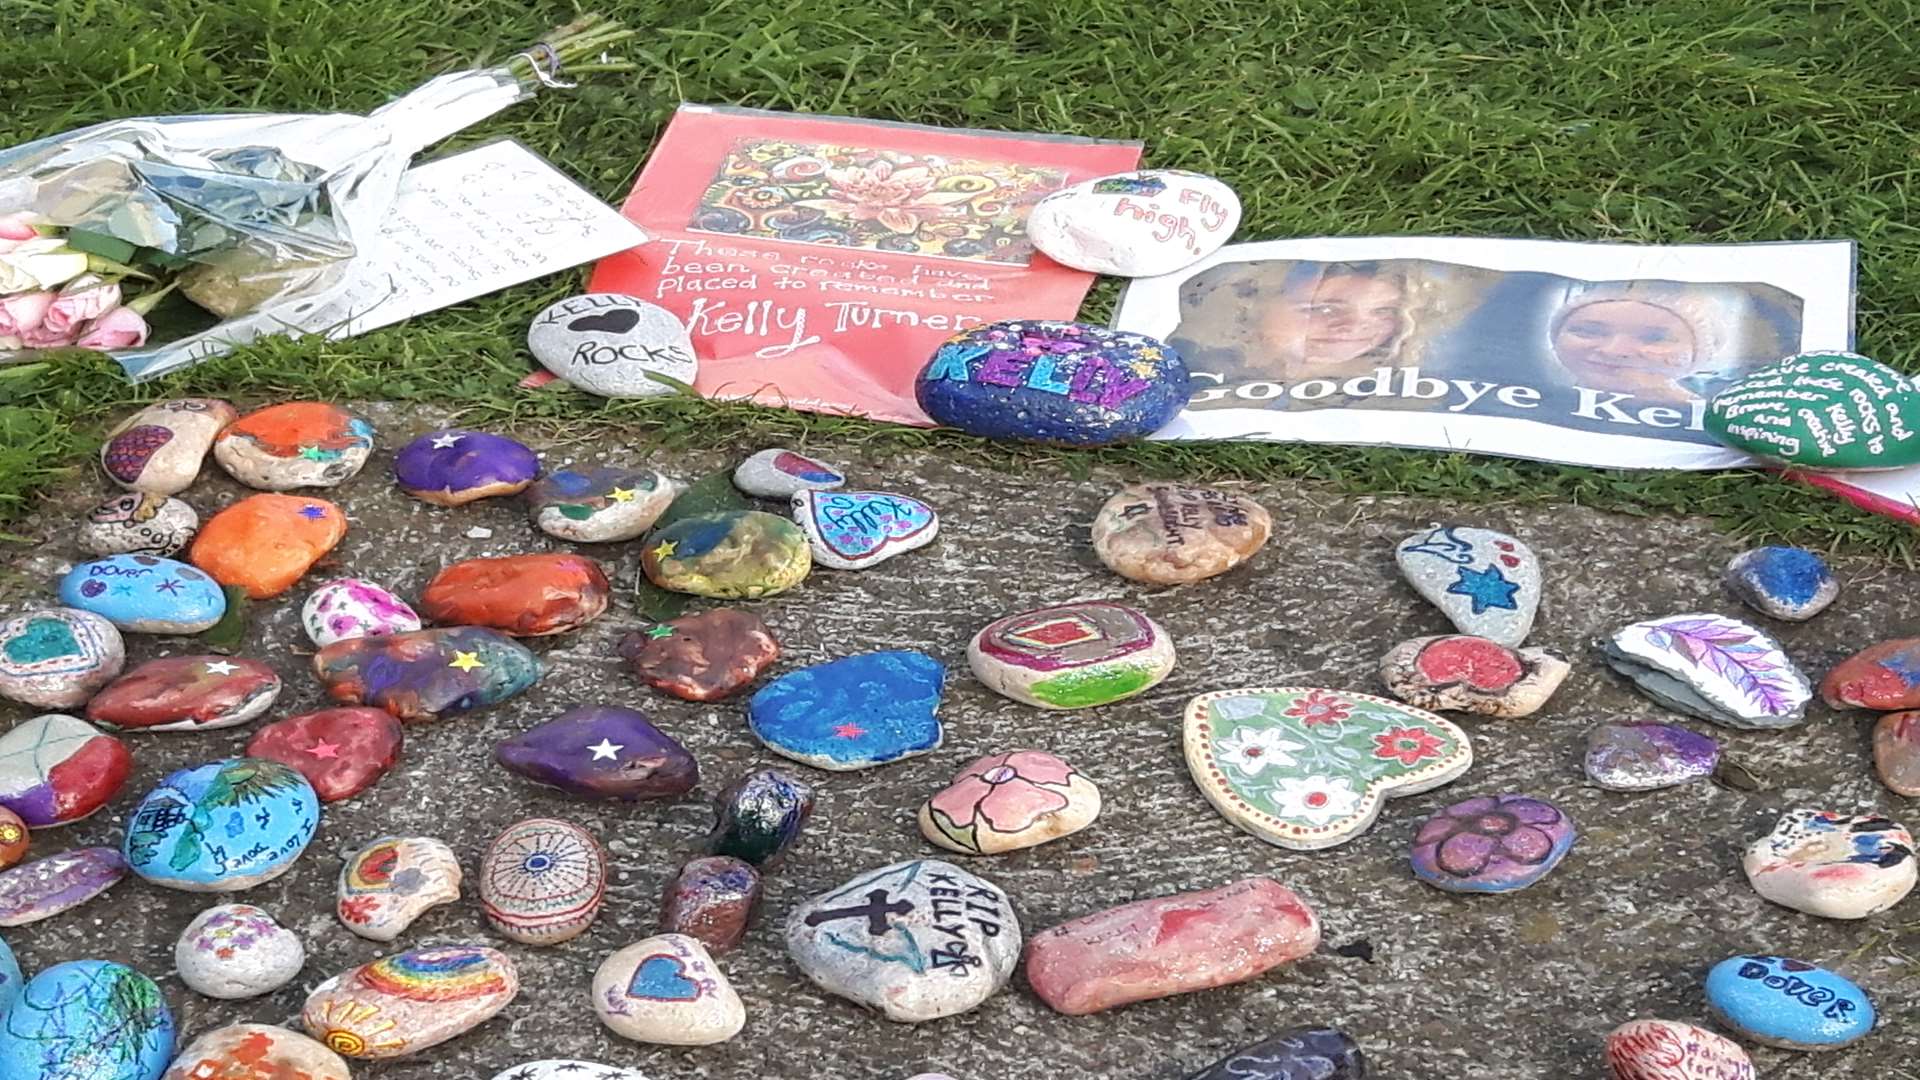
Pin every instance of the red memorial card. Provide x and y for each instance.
(819, 261)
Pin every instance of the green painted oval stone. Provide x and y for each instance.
(734, 554)
(1827, 410)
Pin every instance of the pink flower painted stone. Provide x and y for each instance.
(1491, 844)
(352, 608)
(1667, 1050)
(1712, 667)
(1072, 656)
(235, 951)
(1004, 802)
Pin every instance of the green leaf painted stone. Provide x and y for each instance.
(1828, 410)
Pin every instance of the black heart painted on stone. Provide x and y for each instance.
(617, 321)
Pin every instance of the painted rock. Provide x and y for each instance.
(138, 523)
(264, 543)
(186, 693)
(145, 594)
(601, 752)
(543, 881)
(1308, 768)
(456, 467)
(1172, 534)
(1644, 757)
(704, 657)
(1472, 674)
(1301, 1053)
(1884, 677)
(667, 990)
(1170, 945)
(235, 951)
(1830, 410)
(1064, 383)
(1784, 582)
(393, 881)
(1833, 865)
(566, 1069)
(15, 839)
(258, 1052)
(1491, 844)
(407, 1002)
(46, 887)
(341, 752)
(734, 554)
(1072, 656)
(1788, 1003)
(56, 769)
(852, 530)
(781, 474)
(295, 445)
(522, 595)
(852, 713)
(759, 817)
(1138, 224)
(57, 658)
(1004, 802)
(1712, 667)
(598, 504)
(1669, 1050)
(916, 941)
(1896, 752)
(1487, 583)
(223, 826)
(427, 674)
(351, 607)
(711, 900)
(159, 449)
(87, 1020)
(614, 346)
(11, 978)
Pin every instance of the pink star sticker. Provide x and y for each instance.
(849, 731)
(324, 749)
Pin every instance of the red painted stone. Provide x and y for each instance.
(14, 838)
(341, 752)
(711, 900)
(57, 768)
(1486, 665)
(1884, 676)
(185, 693)
(702, 657)
(522, 595)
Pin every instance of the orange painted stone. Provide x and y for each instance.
(298, 444)
(264, 543)
(522, 595)
(14, 838)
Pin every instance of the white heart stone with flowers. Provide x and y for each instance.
(1138, 224)
(614, 346)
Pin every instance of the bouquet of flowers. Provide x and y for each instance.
(255, 219)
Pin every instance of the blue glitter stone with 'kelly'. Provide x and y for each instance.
(854, 713)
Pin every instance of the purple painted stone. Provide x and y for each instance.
(46, 887)
(1491, 844)
(1642, 757)
(601, 752)
(456, 466)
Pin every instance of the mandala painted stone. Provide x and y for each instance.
(221, 827)
(236, 951)
(522, 595)
(1669, 1050)
(598, 504)
(543, 881)
(852, 713)
(265, 543)
(667, 990)
(781, 474)
(734, 554)
(1896, 752)
(427, 674)
(703, 657)
(614, 345)
(1072, 656)
(1645, 757)
(138, 523)
(56, 659)
(1301, 1053)
(1309, 768)
(257, 1052)
(456, 467)
(1784, 582)
(350, 607)
(47, 887)
(1884, 676)
(186, 693)
(1788, 1003)
(601, 752)
(87, 1020)
(56, 769)
(852, 530)
(341, 752)
(388, 884)
(711, 900)
(1138, 224)
(1004, 802)
(1837, 866)
(1487, 583)
(759, 817)
(1173, 534)
(295, 445)
(1829, 410)
(1464, 673)
(145, 594)
(159, 449)
(1491, 844)
(407, 1002)
(1712, 667)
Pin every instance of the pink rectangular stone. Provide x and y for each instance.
(1170, 945)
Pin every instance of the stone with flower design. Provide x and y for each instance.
(264, 543)
(407, 1002)
(1301, 1053)
(15, 839)
(145, 594)
(159, 449)
(1712, 667)
(1308, 768)
(186, 693)
(1645, 757)
(138, 523)
(853, 713)
(56, 658)
(1072, 656)
(1885, 677)
(1896, 752)
(703, 657)
(295, 445)
(711, 900)
(455, 467)
(729, 555)
(780, 473)
(391, 882)
(615, 346)
(1464, 673)
(1173, 534)
(234, 951)
(1487, 583)
(341, 752)
(257, 1052)
(222, 826)
(523, 595)
(351, 607)
(1491, 844)
(1784, 582)
(1004, 802)
(1837, 866)
(1780, 1001)
(667, 990)
(759, 817)
(598, 504)
(1670, 1050)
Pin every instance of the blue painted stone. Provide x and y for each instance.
(222, 826)
(853, 713)
(1788, 1003)
(1053, 382)
(145, 594)
(10, 977)
(1784, 582)
(87, 1020)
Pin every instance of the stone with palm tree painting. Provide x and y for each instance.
(223, 826)
(1712, 667)
(1004, 802)
(1471, 674)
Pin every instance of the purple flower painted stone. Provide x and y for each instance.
(601, 752)
(46, 887)
(1491, 844)
(1643, 757)
(454, 467)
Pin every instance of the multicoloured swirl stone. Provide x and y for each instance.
(733, 554)
(187, 693)
(598, 504)
(427, 674)
(853, 713)
(407, 1002)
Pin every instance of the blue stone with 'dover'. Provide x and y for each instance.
(1785, 582)
(87, 1020)
(853, 713)
(1788, 1003)
(222, 826)
(1065, 383)
(145, 594)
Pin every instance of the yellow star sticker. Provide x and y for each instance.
(665, 550)
(465, 661)
(620, 495)
(1142, 369)
(1151, 353)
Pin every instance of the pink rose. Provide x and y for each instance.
(84, 298)
(17, 226)
(121, 328)
(23, 312)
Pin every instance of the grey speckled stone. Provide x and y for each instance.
(1486, 582)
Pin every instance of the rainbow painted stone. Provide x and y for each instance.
(781, 474)
(853, 713)
(159, 449)
(294, 445)
(1712, 667)
(1072, 656)
(145, 594)
(57, 658)
(852, 530)
(542, 881)
(456, 467)
(1491, 844)
(87, 1020)
(223, 826)
(389, 883)
(57, 769)
(187, 693)
(410, 1001)
(733, 554)
(427, 674)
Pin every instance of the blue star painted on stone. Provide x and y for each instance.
(1487, 588)
(122, 589)
(313, 512)
(171, 588)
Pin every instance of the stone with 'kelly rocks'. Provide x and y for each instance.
(87, 1020)
(455, 467)
(145, 594)
(222, 827)
(522, 595)
(1712, 667)
(256, 1052)
(56, 769)
(15, 838)
(614, 346)
(1172, 534)
(1301, 1053)
(704, 657)
(1491, 844)
(1487, 583)
(601, 752)
(1646, 757)
(711, 900)
(388, 884)
(295, 445)
(1170, 945)
(57, 658)
(186, 693)
(667, 990)
(1785, 582)
(1896, 752)
(341, 752)
(351, 607)
(1472, 674)
(407, 1002)
(730, 555)
(543, 881)
(1837, 866)
(847, 941)
(235, 951)
(782, 474)
(1138, 224)
(427, 674)
(138, 523)
(1788, 1003)
(598, 504)
(852, 530)
(159, 449)
(1828, 410)
(1072, 656)
(1885, 677)
(46, 887)
(1670, 1050)
(852, 713)
(264, 543)
(1004, 802)
(759, 817)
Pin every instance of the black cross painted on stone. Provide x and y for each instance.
(875, 911)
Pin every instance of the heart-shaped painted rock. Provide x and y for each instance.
(1788, 1003)
(522, 595)
(1309, 768)
(454, 467)
(1837, 866)
(542, 881)
(852, 713)
(568, 1069)
(407, 1002)
(782, 474)
(1829, 410)
(1004, 802)
(235, 951)
(598, 504)
(667, 990)
(56, 769)
(601, 752)
(1138, 224)
(223, 826)
(1669, 1050)
(1712, 667)
(341, 752)
(15, 839)
(1301, 1053)
(351, 607)
(46, 887)
(138, 523)
(759, 816)
(145, 594)
(295, 445)
(389, 883)
(703, 657)
(264, 543)
(1472, 674)
(1784, 582)
(160, 448)
(259, 1052)
(186, 693)
(1491, 844)
(852, 530)
(87, 1020)
(1885, 676)
(56, 659)
(1645, 757)
(427, 674)
(730, 555)
(711, 900)
(614, 346)
(1487, 583)
(1072, 656)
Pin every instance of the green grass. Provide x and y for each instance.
(1711, 120)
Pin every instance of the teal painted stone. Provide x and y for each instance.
(1829, 410)
(87, 1020)
(853, 713)
(1788, 1003)
(222, 826)
(57, 658)
(145, 594)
